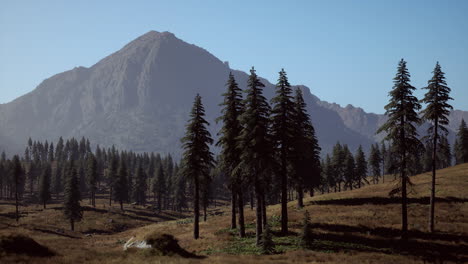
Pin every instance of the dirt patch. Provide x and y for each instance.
(23, 245)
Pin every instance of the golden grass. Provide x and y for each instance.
(348, 218)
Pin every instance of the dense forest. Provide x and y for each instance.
(269, 154)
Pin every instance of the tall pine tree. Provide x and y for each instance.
(197, 157)
(44, 185)
(436, 113)
(228, 140)
(72, 208)
(255, 145)
(283, 136)
(401, 131)
(305, 151)
(461, 144)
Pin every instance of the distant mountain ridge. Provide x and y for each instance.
(139, 98)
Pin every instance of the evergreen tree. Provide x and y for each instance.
(44, 185)
(112, 173)
(197, 158)
(255, 144)
(121, 183)
(375, 159)
(283, 136)
(72, 208)
(160, 186)
(338, 164)
(401, 131)
(461, 146)
(139, 193)
(92, 176)
(267, 244)
(436, 113)
(16, 171)
(329, 175)
(349, 167)
(304, 153)
(57, 183)
(361, 167)
(445, 154)
(230, 156)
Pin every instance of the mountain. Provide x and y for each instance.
(139, 98)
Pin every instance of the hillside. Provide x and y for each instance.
(358, 226)
(139, 98)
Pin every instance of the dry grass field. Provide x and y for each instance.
(358, 226)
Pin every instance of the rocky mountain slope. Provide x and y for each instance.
(139, 97)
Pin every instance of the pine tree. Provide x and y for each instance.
(283, 136)
(121, 183)
(361, 167)
(375, 159)
(57, 183)
(229, 156)
(16, 171)
(112, 173)
(92, 176)
(72, 208)
(461, 146)
(436, 113)
(255, 144)
(445, 154)
(401, 131)
(160, 186)
(338, 164)
(267, 244)
(349, 167)
(139, 193)
(197, 158)
(304, 151)
(329, 174)
(44, 185)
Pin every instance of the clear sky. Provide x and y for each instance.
(344, 51)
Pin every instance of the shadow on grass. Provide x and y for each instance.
(430, 251)
(386, 232)
(47, 231)
(386, 200)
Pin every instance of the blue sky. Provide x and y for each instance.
(344, 51)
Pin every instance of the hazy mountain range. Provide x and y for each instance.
(139, 98)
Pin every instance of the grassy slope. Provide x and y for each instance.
(359, 226)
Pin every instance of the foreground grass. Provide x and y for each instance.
(359, 226)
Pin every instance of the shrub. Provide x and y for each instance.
(165, 245)
(267, 244)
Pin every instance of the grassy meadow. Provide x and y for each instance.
(358, 226)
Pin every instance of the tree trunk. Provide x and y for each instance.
(44, 205)
(121, 205)
(404, 202)
(110, 197)
(72, 224)
(284, 194)
(300, 201)
(251, 200)
(240, 204)
(196, 211)
(233, 207)
(258, 214)
(204, 212)
(16, 198)
(264, 215)
(433, 185)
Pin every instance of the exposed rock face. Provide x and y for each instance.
(139, 97)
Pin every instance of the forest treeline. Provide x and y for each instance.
(269, 154)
